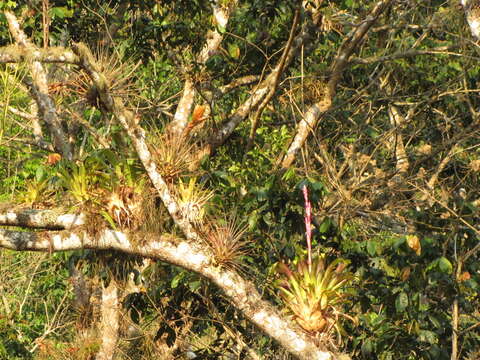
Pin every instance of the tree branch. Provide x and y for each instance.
(274, 83)
(19, 54)
(313, 114)
(42, 219)
(441, 50)
(257, 95)
(221, 15)
(39, 90)
(242, 293)
(138, 136)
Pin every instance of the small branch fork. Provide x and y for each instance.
(214, 38)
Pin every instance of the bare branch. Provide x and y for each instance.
(257, 95)
(441, 50)
(19, 54)
(313, 114)
(275, 81)
(245, 80)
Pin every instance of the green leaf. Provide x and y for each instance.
(234, 51)
(61, 12)
(367, 347)
(399, 242)
(436, 323)
(177, 279)
(427, 336)
(194, 285)
(401, 302)
(324, 226)
(372, 247)
(444, 265)
(289, 174)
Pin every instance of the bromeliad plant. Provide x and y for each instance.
(313, 291)
(313, 295)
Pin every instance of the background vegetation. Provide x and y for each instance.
(392, 167)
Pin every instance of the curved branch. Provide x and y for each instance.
(258, 95)
(341, 62)
(242, 293)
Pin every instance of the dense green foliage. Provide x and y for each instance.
(413, 249)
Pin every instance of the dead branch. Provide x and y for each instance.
(313, 114)
(441, 50)
(257, 96)
(274, 83)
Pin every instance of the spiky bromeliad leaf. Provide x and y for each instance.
(313, 294)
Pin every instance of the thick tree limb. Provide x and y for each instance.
(110, 322)
(314, 113)
(42, 219)
(242, 293)
(39, 90)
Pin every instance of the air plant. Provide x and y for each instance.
(227, 242)
(192, 199)
(125, 193)
(124, 207)
(118, 75)
(172, 155)
(312, 291)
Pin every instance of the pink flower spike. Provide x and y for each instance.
(308, 225)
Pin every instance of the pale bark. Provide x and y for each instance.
(274, 82)
(39, 90)
(138, 136)
(191, 256)
(314, 113)
(43, 219)
(214, 38)
(18, 54)
(257, 95)
(109, 323)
